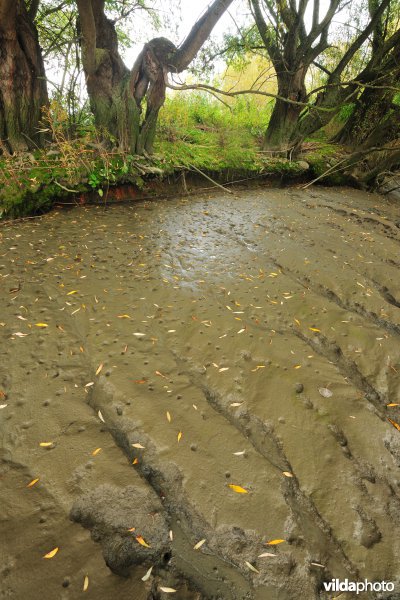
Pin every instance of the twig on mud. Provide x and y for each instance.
(327, 172)
(212, 180)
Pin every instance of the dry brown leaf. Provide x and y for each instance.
(250, 566)
(147, 575)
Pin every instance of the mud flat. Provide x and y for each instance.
(207, 387)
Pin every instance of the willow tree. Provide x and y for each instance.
(380, 70)
(117, 94)
(292, 46)
(23, 91)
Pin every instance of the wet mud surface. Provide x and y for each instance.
(192, 380)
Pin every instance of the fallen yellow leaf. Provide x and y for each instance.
(394, 424)
(274, 542)
(33, 482)
(85, 583)
(99, 368)
(41, 324)
(179, 436)
(45, 444)
(141, 541)
(237, 488)
(95, 452)
(51, 554)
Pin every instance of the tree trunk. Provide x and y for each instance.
(372, 110)
(285, 116)
(23, 91)
(116, 93)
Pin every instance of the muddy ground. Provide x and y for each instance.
(184, 382)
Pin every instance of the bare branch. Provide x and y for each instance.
(198, 35)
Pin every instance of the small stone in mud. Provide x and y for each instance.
(299, 388)
(193, 447)
(66, 582)
(46, 403)
(119, 410)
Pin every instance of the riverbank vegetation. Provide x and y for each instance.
(288, 94)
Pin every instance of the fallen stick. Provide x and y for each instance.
(212, 180)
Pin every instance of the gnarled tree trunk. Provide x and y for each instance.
(117, 93)
(285, 115)
(23, 91)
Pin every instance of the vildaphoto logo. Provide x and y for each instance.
(336, 585)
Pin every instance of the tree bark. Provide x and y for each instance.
(23, 90)
(330, 100)
(117, 93)
(285, 116)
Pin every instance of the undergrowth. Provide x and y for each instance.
(195, 131)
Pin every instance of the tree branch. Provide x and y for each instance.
(198, 35)
(88, 28)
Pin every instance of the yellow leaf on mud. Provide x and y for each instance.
(394, 424)
(99, 368)
(51, 554)
(237, 488)
(314, 329)
(393, 404)
(287, 474)
(137, 445)
(33, 482)
(297, 366)
(45, 444)
(141, 541)
(274, 542)
(73, 292)
(297, 322)
(132, 529)
(168, 417)
(101, 416)
(41, 324)
(95, 452)
(167, 590)
(124, 317)
(199, 544)
(135, 462)
(85, 583)
(179, 436)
